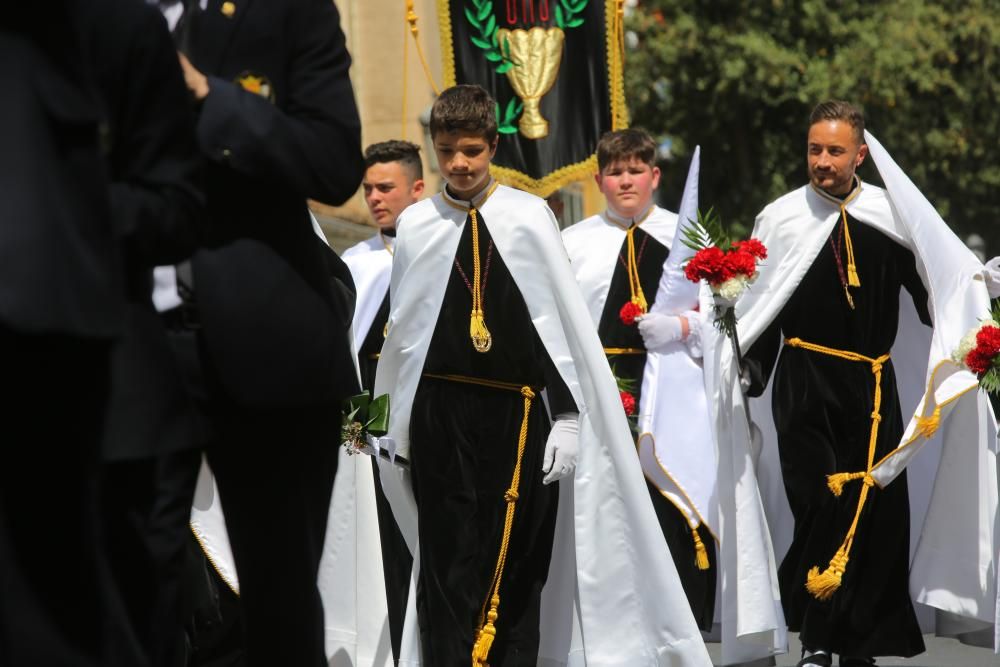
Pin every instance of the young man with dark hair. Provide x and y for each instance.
(824, 315)
(393, 181)
(484, 316)
(618, 257)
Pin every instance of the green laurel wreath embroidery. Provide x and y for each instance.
(482, 18)
(566, 13)
(505, 125)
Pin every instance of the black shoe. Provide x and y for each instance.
(856, 662)
(817, 660)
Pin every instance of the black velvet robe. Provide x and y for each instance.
(699, 585)
(822, 409)
(464, 448)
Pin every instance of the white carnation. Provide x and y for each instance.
(732, 289)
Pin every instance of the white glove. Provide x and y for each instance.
(993, 277)
(659, 330)
(561, 450)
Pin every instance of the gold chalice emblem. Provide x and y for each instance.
(537, 52)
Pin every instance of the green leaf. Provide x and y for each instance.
(504, 67)
(560, 18)
(575, 22)
(579, 6)
(491, 25)
(493, 56)
(509, 112)
(473, 20)
(506, 129)
(484, 10)
(483, 44)
(567, 6)
(520, 107)
(506, 48)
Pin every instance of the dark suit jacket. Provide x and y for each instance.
(157, 210)
(59, 272)
(274, 301)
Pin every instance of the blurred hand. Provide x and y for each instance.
(659, 330)
(196, 82)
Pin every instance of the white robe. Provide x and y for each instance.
(351, 580)
(953, 485)
(370, 263)
(612, 598)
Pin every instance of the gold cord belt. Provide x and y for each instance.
(486, 626)
(824, 584)
(611, 351)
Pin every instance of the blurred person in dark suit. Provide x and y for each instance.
(61, 305)
(267, 303)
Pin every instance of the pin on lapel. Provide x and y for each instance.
(228, 9)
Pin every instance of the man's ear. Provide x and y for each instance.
(656, 177)
(493, 146)
(417, 189)
(862, 154)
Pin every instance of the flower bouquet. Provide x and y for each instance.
(727, 266)
(979, 351)
(364, 423)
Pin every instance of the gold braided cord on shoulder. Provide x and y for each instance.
(824, 584)
(614, 46)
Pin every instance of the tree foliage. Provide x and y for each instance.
(740, 79)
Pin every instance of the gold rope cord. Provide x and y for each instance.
(824, 584)
(486, 627)
(482, 340)
(852, 267)
(635, 287)
(611, 351)
(486, 630)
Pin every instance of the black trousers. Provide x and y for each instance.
(146, 507)
(53, 585)
(464, 447)
(275, 475)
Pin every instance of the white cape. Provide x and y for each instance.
(351, 580)
(612, 598)
(370, 263)
(954, 486)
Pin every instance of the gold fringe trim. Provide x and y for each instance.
(700, 552)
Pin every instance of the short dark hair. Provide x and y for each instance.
(843, 111)
(394, 150)
(623, 145)
(465, 108)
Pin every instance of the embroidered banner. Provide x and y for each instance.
(555, 70)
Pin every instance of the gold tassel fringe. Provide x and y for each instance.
(482, 340)
(928, 426)
(824, 584)
(485, 636)
(700, 552)
(837, 481)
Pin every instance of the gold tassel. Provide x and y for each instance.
(482, 340)
(824, 584)
(837, 480)
(485, 636)
(700, 552)
(928, 426)
(852, 268)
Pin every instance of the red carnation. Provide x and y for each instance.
(628, 403)
(708, 264)
(629, 312)
(978, 361)
(988, 339)
(741, 262)
(752, 246)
